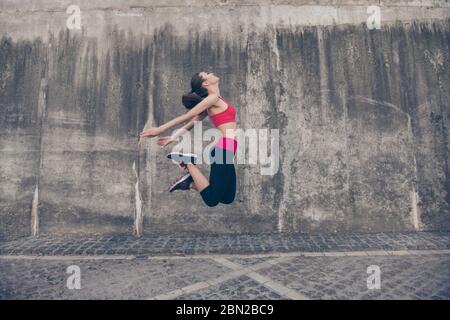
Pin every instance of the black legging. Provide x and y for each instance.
(222, 179)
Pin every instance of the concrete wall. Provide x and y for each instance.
(363, 114)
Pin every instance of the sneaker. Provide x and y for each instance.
(182, 159)
(181, 183)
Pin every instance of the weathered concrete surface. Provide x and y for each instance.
(363, 114)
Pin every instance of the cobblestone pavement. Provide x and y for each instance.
(331, 275)
(227, 244)
(412, 266)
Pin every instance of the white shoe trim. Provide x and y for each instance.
(181, 156)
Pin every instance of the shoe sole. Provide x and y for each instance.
(171, 189)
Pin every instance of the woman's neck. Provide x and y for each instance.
(214, 90)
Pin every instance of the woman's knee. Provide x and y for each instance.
(227, 201)
(209, 197)
(210, 202)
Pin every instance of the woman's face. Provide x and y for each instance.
(210, 78)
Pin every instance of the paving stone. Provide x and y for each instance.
(346, 277)
(322, 270)
(101, 279)
(236, 289)
(229, 244)
(249, 261)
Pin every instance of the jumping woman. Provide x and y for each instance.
(205, 100)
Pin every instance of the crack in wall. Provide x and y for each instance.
(42, 107)
(34, 213)
(138, 204)
(279, 72)
(144, 146)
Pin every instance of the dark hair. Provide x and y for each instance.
(197, 94)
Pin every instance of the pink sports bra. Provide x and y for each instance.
(228, 115)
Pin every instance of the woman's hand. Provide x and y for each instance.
(151, 132)
(164, 141)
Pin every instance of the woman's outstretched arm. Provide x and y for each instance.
(163, 141)
(190, 124)
(209, 101)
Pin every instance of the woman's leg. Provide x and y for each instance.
(200, 180)
(192, 186)
(213, 190)
(218, 181)
(212, 194)
(230, 193)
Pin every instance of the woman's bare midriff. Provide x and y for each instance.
(228, 129)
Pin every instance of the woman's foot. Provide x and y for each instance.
(182, 183)
(182, 159)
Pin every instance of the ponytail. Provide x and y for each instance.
(197, 94)
(191, 99)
